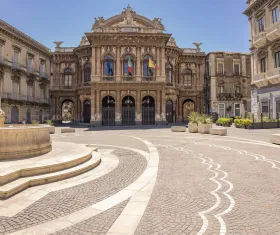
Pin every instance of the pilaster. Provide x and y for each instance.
(118, 65)
(138, 115)
(138, 64)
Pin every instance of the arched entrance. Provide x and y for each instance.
(14, 115)
(67, 111)
(108, 111)
(28, 116)
(188, 107)
(128, 111)
(148, 110)
(169, 111)
(87, 111)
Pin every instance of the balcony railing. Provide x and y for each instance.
(128, 78)
(68, 87)
(229, 96)
(259, 77)
(273, 32)
(31, 70)
(2, 60)
(148, 79)
(44, 100)
(16, 65)
(83, 84)
(236, 73)
(108, 78)
(18, 97)
(273, 73)
(44, 75)
(221, 73)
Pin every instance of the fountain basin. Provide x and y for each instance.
(22, 142)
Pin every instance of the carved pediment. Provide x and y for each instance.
(127, 21)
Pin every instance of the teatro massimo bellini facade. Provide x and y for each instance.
(91, 83)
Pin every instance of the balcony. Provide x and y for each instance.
(108, 78)
(128, 79)
(259, 40)
(31, 71)
(44, 75)
(220, 73)
(236, 74)
(260, 76)
(273, 32)
(68, 87)
(83, 84)
(3, 61)
(273, 76)
(148, 79)
(44, 100)
(16, 66)
(229, 96)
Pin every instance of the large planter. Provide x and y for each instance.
(266, 125)
(22, 142)
(204, 128)
(2, 120)
(193, 127)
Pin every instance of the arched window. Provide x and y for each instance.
(188, 77)
(108, 66)
(87, 72)
(146, 70)
(221, 86)
(68, 77)
(128, 66)
(237, 88)
(168, 73)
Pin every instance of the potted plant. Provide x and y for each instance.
(51, 126)
(204, 124)
(193, 122)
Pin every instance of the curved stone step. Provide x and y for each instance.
(21, 184)
(59, 158)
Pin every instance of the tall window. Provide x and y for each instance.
(128, 66)
(16, 57)
(15, 87)
(237, 110)
(261, 24)
(237, 88)
(42, 67)
(277, 59)
(263, 65)
(275, 15)
(265, 107)
(220, 68)
(236, 69)
(278, 107)
(68, 77)
(146, 70)
(29, 90)
(87, 72)
(29, 62)
(1, 50)
(221, 109)
(108, 66)
(221, 87)
(168, 73)
(188, 77)
(42, 92)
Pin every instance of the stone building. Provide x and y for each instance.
(227, 83)
(24, 76)
(107, 80)
(265, 47)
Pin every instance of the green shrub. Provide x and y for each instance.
(237, 117)
(204, 119)
(49, 122)
(243, 122)
(194, 117)
(224, 121)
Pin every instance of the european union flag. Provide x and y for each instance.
(110, 69)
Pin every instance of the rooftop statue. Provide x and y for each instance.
(83, 41)
(58, 43)
(172, 42)
(197, 46)
(158, 24)
(98, 22)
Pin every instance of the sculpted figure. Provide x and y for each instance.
(197, 46)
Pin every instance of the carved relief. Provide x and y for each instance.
(128, 49)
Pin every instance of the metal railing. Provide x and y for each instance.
(221, 73)
(44, 75)
(148, 78)
(18, 97)
(16, 65)
(128, 78)
(229, 96)
(108, 78)
(31, 70)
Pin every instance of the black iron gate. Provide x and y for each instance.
(148, 115)
(169, 111)
(87, 111)
(108, 116)
(128, 115)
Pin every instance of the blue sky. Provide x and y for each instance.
(219, 24)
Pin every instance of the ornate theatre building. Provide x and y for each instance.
(126, 71)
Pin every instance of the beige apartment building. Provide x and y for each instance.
(106, 80)
(265, 47)
(227, 84)
(24, 76)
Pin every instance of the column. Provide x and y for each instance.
(163, 107)
(162, 64)
(255, 67)
(92, 107)
(138, 64)
(272, 108)
(118, 65)
(158, 60)
(254, 101)
(98, 109)
(138, 107)
(269, 59)
(93, 63)
(158, 107)
(118, 108)
(98, 64)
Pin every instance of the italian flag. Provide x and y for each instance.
(129, 66)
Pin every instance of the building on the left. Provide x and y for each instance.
(24, 76)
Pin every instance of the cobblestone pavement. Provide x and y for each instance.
(65, 201)
(205, 185)
(99, 224)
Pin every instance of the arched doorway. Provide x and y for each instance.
(169, 111)
(87, 111)
(128, 111)
(14, 115)
(28, 116)
(188, 107)
(148, 110)
(67, 111)
(108, 111)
